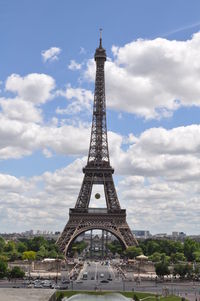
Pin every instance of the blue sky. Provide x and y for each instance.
(153, 105)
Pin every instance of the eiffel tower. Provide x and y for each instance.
(97, 171)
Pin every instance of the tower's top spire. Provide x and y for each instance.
(100, 44)
(100, 51)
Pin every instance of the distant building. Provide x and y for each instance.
(141, 234)
(178, 235)
(161, 235)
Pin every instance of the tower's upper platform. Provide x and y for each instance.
(100, 51)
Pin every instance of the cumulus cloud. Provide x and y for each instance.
(51, 54)
(74, 65)
(20, 139)
(19, 109)
(34, 87)
(153, 182)
(26, 201)
(80, 100)
(152, 78)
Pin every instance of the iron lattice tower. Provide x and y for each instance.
(97, 171)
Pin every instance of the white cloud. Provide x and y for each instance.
(33, 87)
(26, 201)
(157, 152)
(51, 54)
(159, 176)
(18, 139)
(74, 65)
(80, 100)
(152, 78)
(18, 109)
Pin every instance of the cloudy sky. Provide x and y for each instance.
(153, 109)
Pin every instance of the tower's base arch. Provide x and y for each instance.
(83, 221)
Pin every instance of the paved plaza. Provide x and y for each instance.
(20, 294)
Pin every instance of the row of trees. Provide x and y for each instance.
(11, 251)
(189, 250)
(162, 250)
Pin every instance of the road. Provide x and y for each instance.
(98, 272)
(190, 290)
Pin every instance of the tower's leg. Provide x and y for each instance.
(106, 243)
(91, 245)
(102, 244)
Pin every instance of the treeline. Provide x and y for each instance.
(161, 250)
(39, 246)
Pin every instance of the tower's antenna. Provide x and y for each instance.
(100, 45)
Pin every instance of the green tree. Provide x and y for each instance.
(14, 255)
(190, 247)
(115, 247)
(2, 244)
(35, 243)
(3, 269)
(16, 273)
(196, 256)
(29, 255)
(52, 254)
(162, 269)
(177, 257)
(42, 253)
(152, 247)
(3, 258)
(9, 247)
(21, 247)
(132, 252)
(182, 270)
(155, 257)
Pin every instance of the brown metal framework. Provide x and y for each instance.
(97, 171)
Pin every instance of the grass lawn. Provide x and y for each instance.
(147, 296)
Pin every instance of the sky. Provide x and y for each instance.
(47, 74)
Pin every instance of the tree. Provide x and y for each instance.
(42, 253)
(196, 255)
(177, 257)
(35, 243)
(21, 247)
(29, 255)
(182, 270)
(14, 255)
(115, 247)
(53, 254)
(16, 273)
(3, 269)
(132, 252)
(9, 247)
(162, 269)
(155, 257)
(152, 247)
(2, 244)
(190, 247)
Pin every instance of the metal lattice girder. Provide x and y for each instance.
(97, 171)
(96, 218)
